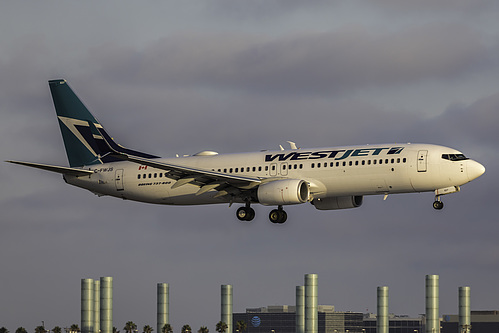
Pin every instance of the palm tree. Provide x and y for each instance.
(115, 330)
(74, 328)
(167, 328)
(203, 329)
(40, 329)
(186, 329)
(241, 326)
(4, 330)
(57, 329)
(21, 330)
(147, 329)
(221, 327)
(130, 327)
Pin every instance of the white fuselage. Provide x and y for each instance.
(330, 172)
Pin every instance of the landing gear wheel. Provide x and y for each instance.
(438, 204)
(278, 216)
(245, 213)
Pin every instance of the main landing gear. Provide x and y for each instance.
(247, 213)
(278, 215)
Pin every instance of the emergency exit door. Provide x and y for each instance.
(422, 160)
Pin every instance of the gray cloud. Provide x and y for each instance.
(313, 63)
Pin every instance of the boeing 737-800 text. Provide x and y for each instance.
(329, 178)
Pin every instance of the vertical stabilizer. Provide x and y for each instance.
(80, 130)
(73, 119)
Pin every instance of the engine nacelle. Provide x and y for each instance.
(331, 203)
(283, 192)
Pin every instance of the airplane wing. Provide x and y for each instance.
(54, 168)
(207, 180)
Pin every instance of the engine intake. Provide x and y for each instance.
(283, 192)
(332, 203)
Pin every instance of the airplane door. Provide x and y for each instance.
(422, 160)
(284, 169)
(119, 180)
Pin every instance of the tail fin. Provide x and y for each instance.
(84, 144)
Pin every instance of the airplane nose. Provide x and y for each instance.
(474, 170)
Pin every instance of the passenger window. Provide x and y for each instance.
(356, 162)
(301, 166)
(344, 163)
(155, 175)
(236, 169)
(368, 162)
(259, 168)
(393, 160)
(225, 170)
(138, 176)
(248, 169)
(150, 175)
(350, 163)
(266, 168)
(230, 170)
(404, 160)
(331, 164)
(380, 161)
(337, 164)
(398, 160)
(284, 166)
(325, 164)
(386, 161)
(313, 165)
(363, 162)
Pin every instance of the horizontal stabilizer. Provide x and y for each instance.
(54, 168)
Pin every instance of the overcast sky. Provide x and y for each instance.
(170, 77)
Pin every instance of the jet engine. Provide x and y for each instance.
(283, 192)
(331, 203)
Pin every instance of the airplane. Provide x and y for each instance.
(329, 178)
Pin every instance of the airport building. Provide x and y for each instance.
(481, 322)
(282, 319)
(396, 323)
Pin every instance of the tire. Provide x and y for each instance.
(438, 205)
(245, 213)
(278, 216)
(242, 214)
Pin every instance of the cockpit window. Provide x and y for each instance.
(454, 157)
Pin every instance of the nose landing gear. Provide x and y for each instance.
(438, 204)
